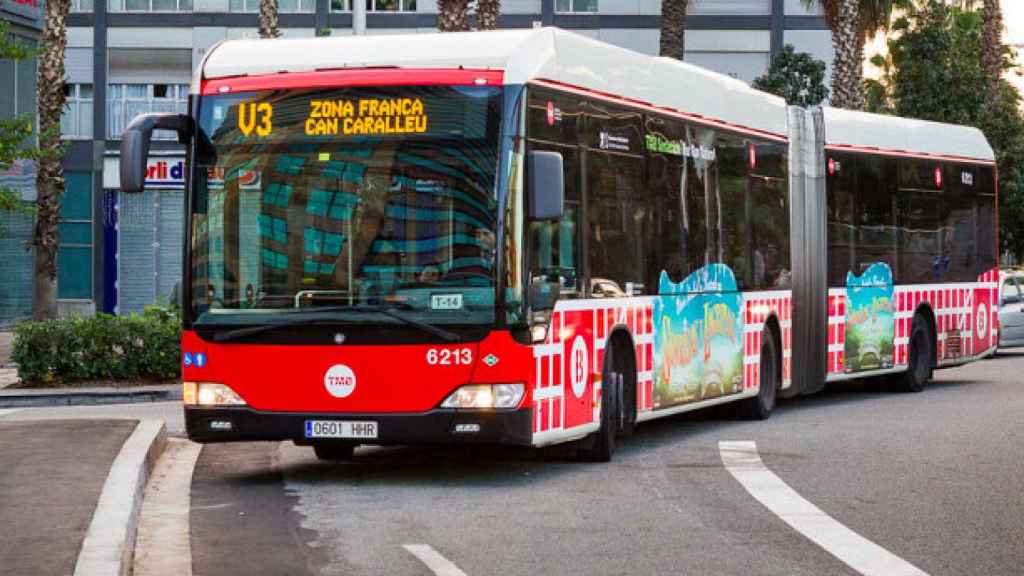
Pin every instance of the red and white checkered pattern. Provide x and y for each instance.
(966, 316)
(557, 409)
(560, 414)
(757, 308)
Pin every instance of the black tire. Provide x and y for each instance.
(760, 407)
(919, 358)
(334, 452)
(599, 446)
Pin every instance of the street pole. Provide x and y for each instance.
(359, 17)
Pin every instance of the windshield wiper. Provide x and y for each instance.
(436, 331)
(387, 311)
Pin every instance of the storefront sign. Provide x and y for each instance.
(165, 173)
(31, 9)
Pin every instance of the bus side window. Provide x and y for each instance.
(554, 246)
(616, 218)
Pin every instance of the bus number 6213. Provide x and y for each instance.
(447, 356)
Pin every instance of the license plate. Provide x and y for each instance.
(341, 429)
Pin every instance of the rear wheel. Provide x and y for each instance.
(334, 452)
(760, 407)
(919, 357)
(599, 446)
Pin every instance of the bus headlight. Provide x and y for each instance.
(485, 396)
(210, 394)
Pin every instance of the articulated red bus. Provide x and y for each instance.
(530, 237)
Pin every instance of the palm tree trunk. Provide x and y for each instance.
(487, 12)
(268, 19)
(50, 174)
(452, 15)
(673, 28)
(847, 69)
(992, 42)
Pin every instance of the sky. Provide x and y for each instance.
(1013, 18)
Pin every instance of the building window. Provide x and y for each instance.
(18, 87)
(376, 5)
(81, 5)
(126, 101)
(148, 5)
(76, 122)
(283, 6)
(74, 255)
(576, 6)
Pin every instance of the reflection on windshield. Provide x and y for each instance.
(405, 220)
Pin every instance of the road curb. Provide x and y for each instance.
(91, 398)
(110, 541)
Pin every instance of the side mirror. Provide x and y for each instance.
(545, 187)
(135, 145)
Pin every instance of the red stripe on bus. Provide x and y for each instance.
(662, 109)
(355, 77)
(906, 154)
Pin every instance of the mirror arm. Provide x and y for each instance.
(136, 140)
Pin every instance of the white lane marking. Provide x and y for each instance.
(9, 411)
(438, 564)
(743, 462)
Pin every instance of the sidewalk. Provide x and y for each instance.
(54, 472)
(72, 396)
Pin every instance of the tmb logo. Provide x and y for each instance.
(340, 381)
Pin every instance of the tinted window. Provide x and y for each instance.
(769, 217)
(841, 195)
(616, 219)
(554, 121)
(666, 236)
(959, 240)
(699, 207)
(874, 217)
(986, 214)
(735, 246)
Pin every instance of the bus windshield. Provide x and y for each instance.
(345, 197)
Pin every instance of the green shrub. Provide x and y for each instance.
(102, 347)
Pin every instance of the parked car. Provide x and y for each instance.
(1011, 309)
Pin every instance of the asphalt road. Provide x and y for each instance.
(933, 478)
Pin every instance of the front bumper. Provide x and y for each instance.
(207, 425)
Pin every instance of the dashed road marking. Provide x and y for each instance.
(438, 564)
(744, 463)
(9, 411)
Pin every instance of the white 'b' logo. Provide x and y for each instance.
(578, 367)
(340, 381)
(982, 321)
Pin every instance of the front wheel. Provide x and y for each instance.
(760, 407)
(599, 446)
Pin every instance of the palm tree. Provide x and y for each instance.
(673, 28)
(487, 12)
(851, 23)
(992, 42)
(268, 19)
(452, 15)
(50, 174)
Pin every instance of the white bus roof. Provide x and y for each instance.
(523, 55)
(563, 57)
(892, 133)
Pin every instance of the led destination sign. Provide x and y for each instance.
(294, 115)
(366, 117)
